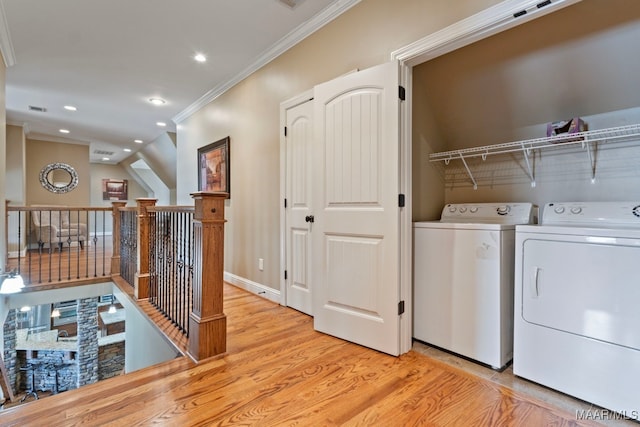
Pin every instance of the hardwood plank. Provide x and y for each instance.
(279, 371)
(71, 266)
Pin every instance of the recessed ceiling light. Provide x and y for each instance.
(70, 108)
(137, 141)
(200, 57)
(128, 150)
(161, 124)
(157, 101)
(106, 159)
(64, 130)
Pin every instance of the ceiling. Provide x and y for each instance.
(109, 58)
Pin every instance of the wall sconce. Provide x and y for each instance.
(112, 307)
(12, 283)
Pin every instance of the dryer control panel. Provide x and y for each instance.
(592, 214)
(489, 213)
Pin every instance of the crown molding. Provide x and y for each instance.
(52, 138)
(24, 125)
(284, 44)
(6, 46)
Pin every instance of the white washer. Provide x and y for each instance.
(577, 297)
(463, 280)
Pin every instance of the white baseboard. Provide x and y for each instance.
(106, 233)
(253, 287)
(14, 254)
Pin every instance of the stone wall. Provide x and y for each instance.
(10, 358)
(52, 370)
(111, 360)
(87, 341)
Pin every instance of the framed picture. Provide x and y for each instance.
(114, 189)
(214, 167)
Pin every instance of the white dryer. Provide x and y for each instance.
(577, 296)
(463, 280)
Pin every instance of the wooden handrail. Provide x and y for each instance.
(57, 208)
(170, 208)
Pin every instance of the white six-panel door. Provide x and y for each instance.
(355, 207)
(299, 176)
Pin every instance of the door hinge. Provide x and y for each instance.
(401, 200)
(285, 131)
(401, 93)
(285, 275)
(285, 203)
(400, 308)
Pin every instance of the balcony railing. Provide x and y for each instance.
(128, 244)
(171, 262)
(171, 256)
(48, 244)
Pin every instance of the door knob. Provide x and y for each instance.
(309, 218)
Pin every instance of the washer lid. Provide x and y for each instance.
(463, 226)
(488, 213)
(592, 214)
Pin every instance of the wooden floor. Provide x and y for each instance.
(70, 266)
(279, 371)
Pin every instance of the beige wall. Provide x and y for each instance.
(103, 171)
(3, 138)
(42, 153)
(249, 113)
(575, 62)
(16, 190)
(16, 165)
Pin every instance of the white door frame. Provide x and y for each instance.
(284, 106)
(486, 23)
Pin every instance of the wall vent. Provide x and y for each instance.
(291, 3)
(104, 152)
(38, 109)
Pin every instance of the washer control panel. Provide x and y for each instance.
(489, 213)
(592, 214)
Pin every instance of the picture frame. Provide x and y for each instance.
(115, 189)
(214, 167)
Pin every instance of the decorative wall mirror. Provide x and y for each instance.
(59, 178)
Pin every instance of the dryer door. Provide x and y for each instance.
(584, 288)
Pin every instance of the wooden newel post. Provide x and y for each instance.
(143, 233)
(115, 233)
(207, 321)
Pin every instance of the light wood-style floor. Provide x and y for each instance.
(70, 266)
(279, 371)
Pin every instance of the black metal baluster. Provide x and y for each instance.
(189, 294)
(167, 255)
(78, 247)
(30, 232)
(183, 267)
(104, 242)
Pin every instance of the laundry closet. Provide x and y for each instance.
(580, 61)
(484, 150)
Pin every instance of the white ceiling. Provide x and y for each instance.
(108, 58)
